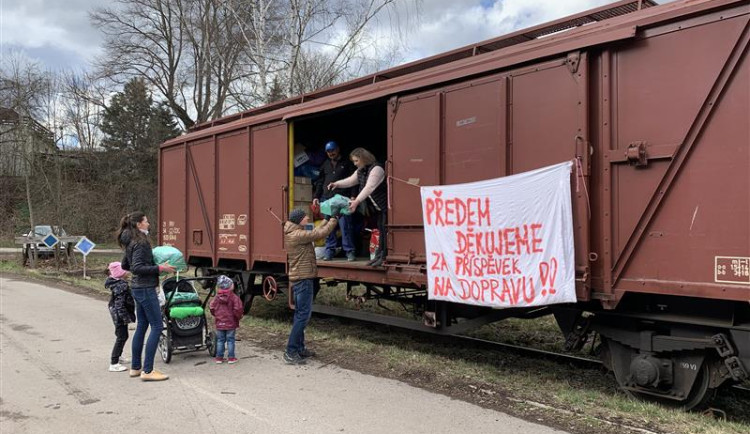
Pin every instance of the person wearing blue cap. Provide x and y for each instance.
(334, 169)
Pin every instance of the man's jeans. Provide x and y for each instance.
(303, 298)
(347, 236)
(223, 336)
(148, 314)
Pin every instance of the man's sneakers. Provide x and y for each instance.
(293, 359)
(306, 354)
(135, 373)
(219, 360)
(153, 376)
(117, 368)
(351, 257)
(232, 360)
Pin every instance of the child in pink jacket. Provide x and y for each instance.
(226, 308)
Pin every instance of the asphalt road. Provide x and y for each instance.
(54, 354)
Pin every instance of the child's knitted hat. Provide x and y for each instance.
(115, 270)
(297, 215)
(223, 282)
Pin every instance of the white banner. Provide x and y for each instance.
(505, 242)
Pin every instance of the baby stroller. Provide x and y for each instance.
(185, 326)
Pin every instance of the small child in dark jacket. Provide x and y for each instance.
(226, 308)
(122, 310)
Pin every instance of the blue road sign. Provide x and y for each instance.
(50, 241)
(85, 246)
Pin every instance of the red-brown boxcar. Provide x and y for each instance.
(652, 101)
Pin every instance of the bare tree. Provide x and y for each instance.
(22, 88)
(206, 58)
(186, 49)
(84, 101)
(304, 45)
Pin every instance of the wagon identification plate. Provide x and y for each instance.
(505, 242)
(731, 269)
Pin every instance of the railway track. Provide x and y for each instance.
(403, 323)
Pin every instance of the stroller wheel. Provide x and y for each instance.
(211, 343)
(165, 345)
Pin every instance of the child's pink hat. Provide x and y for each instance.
(115, 270)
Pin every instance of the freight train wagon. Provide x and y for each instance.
(651, 101)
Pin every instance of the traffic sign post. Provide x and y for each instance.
(85, 246)
(50, 240)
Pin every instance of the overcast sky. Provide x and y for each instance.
(59, 35)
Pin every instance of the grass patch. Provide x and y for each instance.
(96, 266)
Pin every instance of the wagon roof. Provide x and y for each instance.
(616, 21)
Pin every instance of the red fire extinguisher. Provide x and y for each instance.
(374, 243)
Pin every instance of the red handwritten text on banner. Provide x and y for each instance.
(503, 242)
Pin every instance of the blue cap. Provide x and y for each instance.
(331, 146)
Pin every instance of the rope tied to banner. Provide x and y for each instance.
(581, 180)
(390, 184)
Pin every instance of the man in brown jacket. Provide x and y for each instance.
(303, 270)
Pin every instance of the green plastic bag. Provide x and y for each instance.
(182, 312)
(182, 297)
(331, 204)
(170, 255)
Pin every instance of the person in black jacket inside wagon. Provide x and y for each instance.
(334, 169)
(133, 237)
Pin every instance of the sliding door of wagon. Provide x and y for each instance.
(201, 205)
(414, 160)
(475, 144)
(171, 229)
(233, 157)
(549, 125)
(269, 171)
(680, 217)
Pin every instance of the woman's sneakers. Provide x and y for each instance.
(145, 376)
(117, 368)
(153, 376)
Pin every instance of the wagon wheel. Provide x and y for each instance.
(700, 394)
(211, 343)
(270, 288)
(165, 345)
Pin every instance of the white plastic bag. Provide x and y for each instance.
(161, 297)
